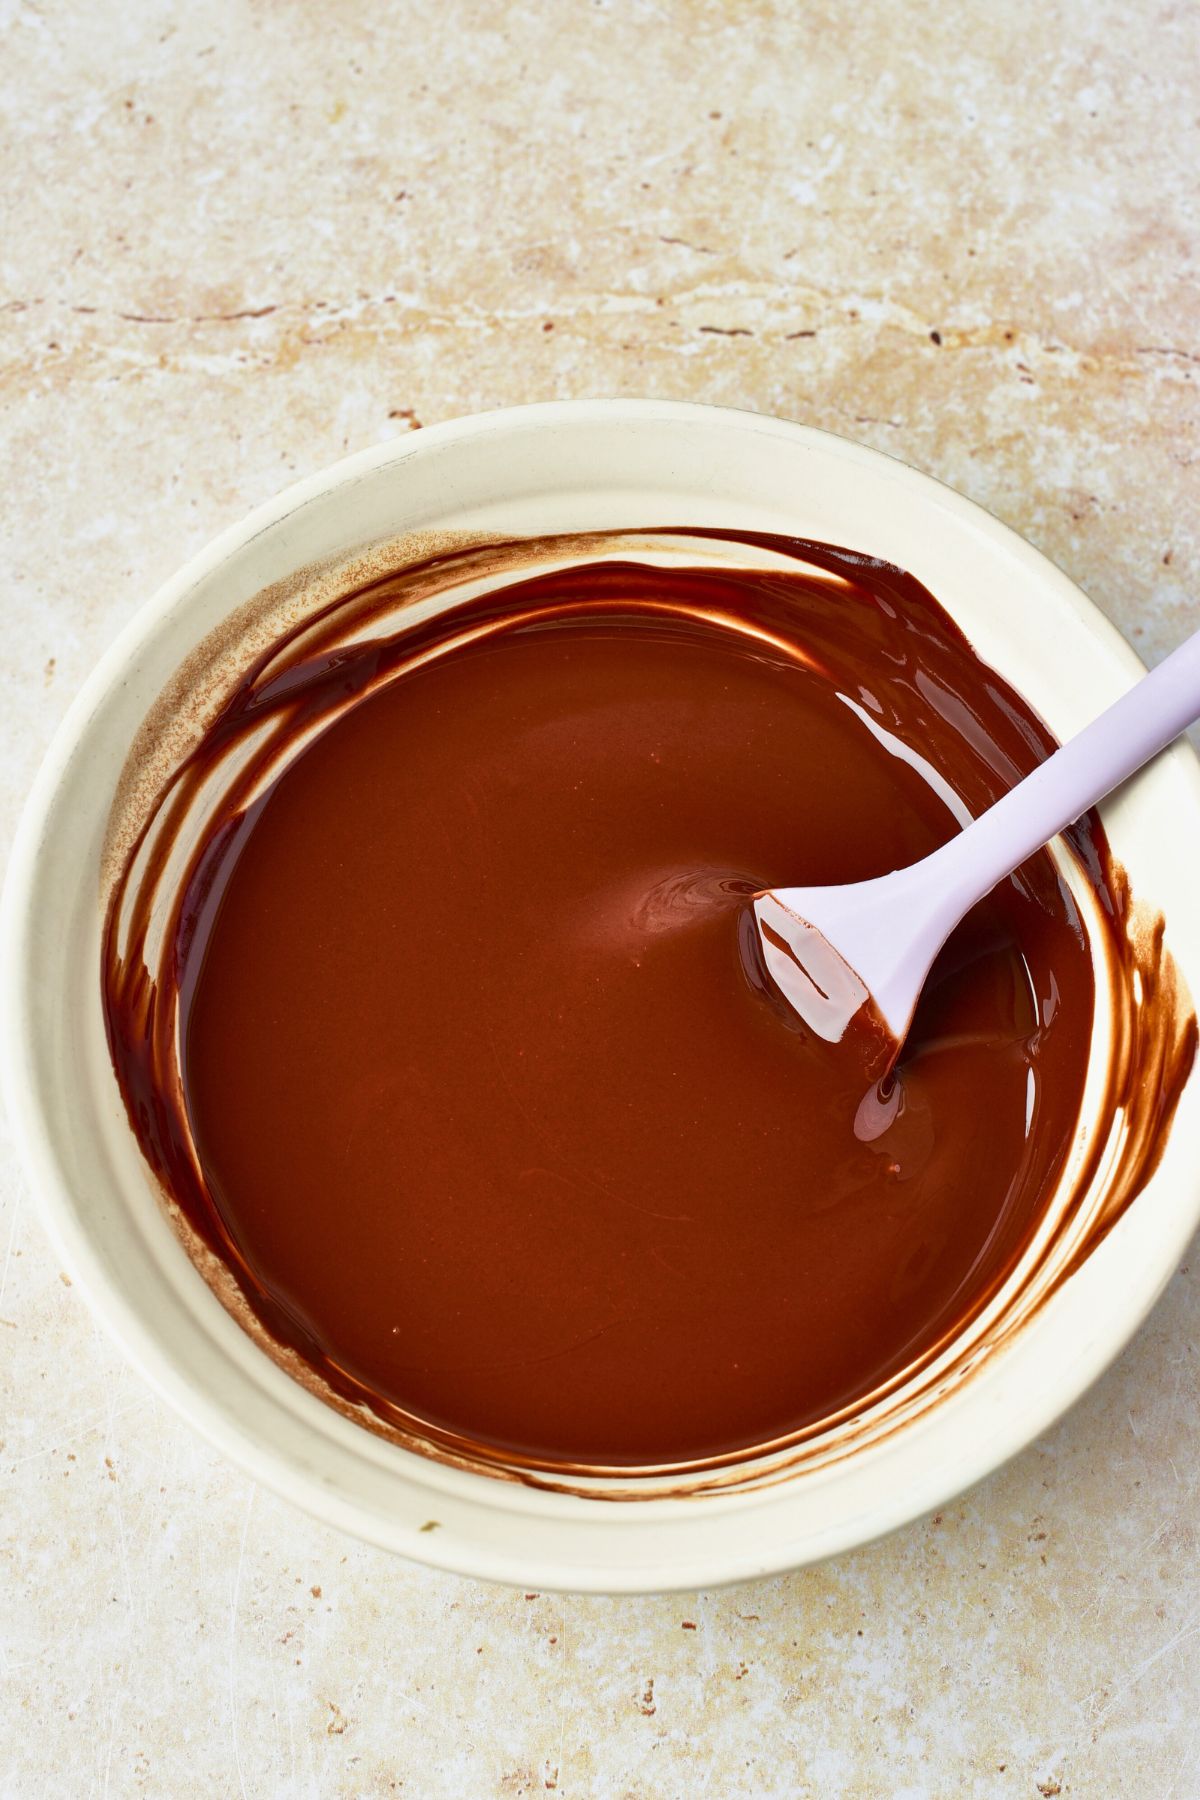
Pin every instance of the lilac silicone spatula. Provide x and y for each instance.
(862, 952)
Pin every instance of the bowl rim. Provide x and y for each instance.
(60, 1210)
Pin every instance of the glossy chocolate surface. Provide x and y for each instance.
(480, 1091)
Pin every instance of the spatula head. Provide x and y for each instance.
(820, 986)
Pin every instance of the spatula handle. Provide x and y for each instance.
(1124, 737)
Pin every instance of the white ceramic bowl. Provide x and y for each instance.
(595, 465)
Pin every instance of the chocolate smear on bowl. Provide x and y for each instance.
(435, 1002)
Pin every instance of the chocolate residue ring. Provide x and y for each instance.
(275, 689)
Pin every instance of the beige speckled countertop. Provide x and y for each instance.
(241, 239)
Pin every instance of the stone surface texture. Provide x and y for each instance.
(240, 239)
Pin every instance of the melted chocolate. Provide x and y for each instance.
(458, 1052)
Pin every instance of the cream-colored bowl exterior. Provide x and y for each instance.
(592, 465)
